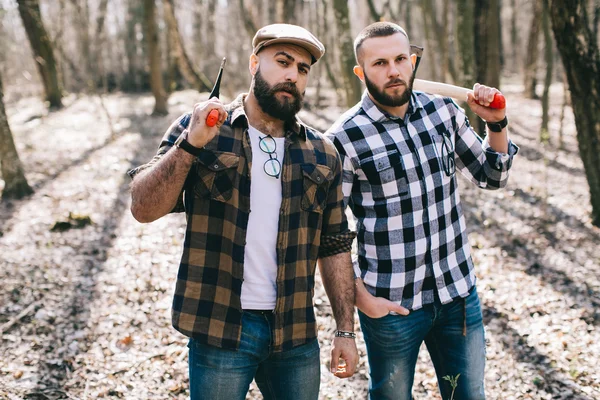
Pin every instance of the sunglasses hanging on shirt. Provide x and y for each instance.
(272, 166)
(448, 162)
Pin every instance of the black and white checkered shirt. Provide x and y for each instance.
(412, 235)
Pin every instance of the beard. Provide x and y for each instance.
(285, 109)
(390, 100)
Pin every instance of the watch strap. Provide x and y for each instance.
(497, 126)
(184, 145)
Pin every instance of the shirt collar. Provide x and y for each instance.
(379, 115)
(295, 127)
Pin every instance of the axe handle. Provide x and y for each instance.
(455, 92)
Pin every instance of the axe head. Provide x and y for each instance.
(418, 50)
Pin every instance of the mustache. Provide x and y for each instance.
(286, 87)
(396, 82)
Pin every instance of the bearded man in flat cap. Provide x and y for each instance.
(263, 199)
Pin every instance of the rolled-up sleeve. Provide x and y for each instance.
(477, 161)
(336, 237)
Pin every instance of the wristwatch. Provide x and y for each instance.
(184, 145)
(497, 126)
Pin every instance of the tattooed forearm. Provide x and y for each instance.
(154, 192)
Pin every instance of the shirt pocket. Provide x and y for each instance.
(316, 179)
(385, 174)
(216, 174)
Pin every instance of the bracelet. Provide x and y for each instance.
(344, 334)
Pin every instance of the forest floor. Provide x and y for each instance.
(86, 290)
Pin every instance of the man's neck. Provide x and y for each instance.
(397, 112)
(261, 120)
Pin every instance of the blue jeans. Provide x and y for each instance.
(393, 344)
(217, 373)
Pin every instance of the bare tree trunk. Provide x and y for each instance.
(426, 11)
(328, 59)
(440, 31)
(186, 68)
(351, 82)
(531, 57)
(514, 36)
(42, 50)
(487, 46)
(561, 136)
(249, 23)
(133, 75)
(581, 58)
(15, 182)
(375, 15)
(154, 59)
(465, 25)
(549, 58)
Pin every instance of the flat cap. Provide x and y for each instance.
(291, 34)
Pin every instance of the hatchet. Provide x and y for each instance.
(443, 89)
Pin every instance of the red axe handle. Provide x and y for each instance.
(456, 92)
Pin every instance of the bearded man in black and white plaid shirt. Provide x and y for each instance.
(415, 280)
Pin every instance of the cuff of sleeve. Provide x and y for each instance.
(335, 244)
(497, 160)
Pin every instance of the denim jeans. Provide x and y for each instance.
(393, 344)
(217, 373)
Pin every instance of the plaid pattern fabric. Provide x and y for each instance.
(412, 236)
(216, 199)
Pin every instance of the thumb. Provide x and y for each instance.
(397, 308)
(335, 359)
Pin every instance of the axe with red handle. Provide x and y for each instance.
(443, 89)
(455, 92)
(213, 115)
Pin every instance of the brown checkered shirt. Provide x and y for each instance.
(216, 200)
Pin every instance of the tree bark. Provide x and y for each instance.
(15, 182)
(487, 46)
(514, 36)
(351, 82)
(154, 59)
(581, 59)
(549, 58)
(531, 57)
(42, 50)
(184, 64)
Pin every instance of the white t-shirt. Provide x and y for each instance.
(259, 289)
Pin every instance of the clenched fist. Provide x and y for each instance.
(200, 133)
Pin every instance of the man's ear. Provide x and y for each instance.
(358, 71)
(413, 59)
(253, 64)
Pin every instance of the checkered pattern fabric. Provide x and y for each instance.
(412, 236)
(216, 199)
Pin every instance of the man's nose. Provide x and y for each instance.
(291, 75)
(393, 71)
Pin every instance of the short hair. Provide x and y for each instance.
(377, 29)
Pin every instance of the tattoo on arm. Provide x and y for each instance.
(155, 192)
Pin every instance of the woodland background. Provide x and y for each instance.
(87, 88)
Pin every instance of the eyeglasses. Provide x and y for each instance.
(448, 162)
(272, 166)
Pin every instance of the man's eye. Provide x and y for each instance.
(283, 62)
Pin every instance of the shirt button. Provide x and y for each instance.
(318, 179)
(216, 166)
